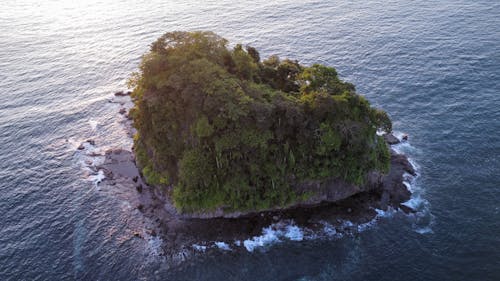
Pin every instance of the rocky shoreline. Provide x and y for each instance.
(183, 235)
(388, 187)
(179, 232)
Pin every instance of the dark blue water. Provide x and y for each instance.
(433, 65)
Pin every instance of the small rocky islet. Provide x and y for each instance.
(226, 144)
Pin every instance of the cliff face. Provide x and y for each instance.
(385, 190)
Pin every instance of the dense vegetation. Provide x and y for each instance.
(226, 129)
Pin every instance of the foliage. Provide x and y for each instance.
(227, 130)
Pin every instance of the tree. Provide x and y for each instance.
(229, 131)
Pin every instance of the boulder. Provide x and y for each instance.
(406, 209)
(122, 93)
(391, 139)
(390, 190)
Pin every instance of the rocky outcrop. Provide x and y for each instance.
(386, 190)
(123, 93)
(380, 190)
(181, 231)
(391, 139)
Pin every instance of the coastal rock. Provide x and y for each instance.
(391, 139)
(177, 230)
(122, 111)
(122, 93)
(406, 209)
(400, 161)
(388, 188)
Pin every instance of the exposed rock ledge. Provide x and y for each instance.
(389, 188)
(179, 233)
(386, 190)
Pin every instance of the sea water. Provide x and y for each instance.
(434, 66)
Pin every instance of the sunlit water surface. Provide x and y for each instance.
(433, 65)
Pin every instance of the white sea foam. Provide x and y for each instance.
(223, 246)
(329, 230)
(288, 230)
(199, 248)
(98, 178)
(275, 233)
(294, 233)
(423, 218)
(364, 226)
(268, 236)
(385, 214)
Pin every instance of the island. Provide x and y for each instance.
(221, 133)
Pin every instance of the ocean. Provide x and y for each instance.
(434, 66)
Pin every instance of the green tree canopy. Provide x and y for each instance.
(228, 130)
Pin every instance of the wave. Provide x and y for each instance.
(223, 246)
(275, 233)
(422, 218)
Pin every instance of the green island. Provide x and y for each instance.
(219, 128)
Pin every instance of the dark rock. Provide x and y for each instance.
(122, 93)
(81, 147)
(137, 234)
(94, 154)
(139, 188)
(135, 178)
(140, 207)
(406, 209)
(391, 139)
(405, 137)
(91, 141)
(122, 111)
(401, 161)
